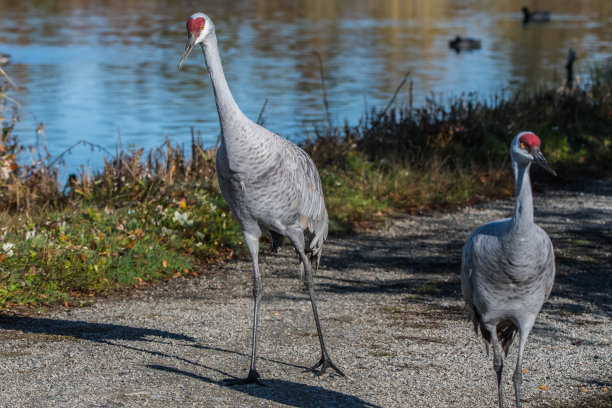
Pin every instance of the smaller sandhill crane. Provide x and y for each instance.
(508, 268)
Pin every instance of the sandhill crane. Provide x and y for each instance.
(508, 267)
(268, 183)
(538, 16)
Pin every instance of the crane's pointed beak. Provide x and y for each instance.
(191, 39)
(541, 160)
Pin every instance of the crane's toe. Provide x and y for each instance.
(324, 363)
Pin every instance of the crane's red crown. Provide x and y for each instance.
(195, 25)
(530, 139)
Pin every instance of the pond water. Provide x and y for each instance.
(94, 70)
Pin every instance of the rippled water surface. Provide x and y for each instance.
(92, 70)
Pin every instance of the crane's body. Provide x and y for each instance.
(269, 184)
(282, 195)
(508, 267)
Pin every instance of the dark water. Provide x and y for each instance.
(93, 69)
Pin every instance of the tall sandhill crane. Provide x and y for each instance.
(268, 183)
(508, 267)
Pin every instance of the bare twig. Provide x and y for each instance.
(327, 115)
(396, 92)
(69, 149)
(260, 117)
(8, 78)
(411, 99)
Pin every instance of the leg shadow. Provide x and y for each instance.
(284, 392)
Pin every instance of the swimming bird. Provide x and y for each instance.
(508, 267)
(269, 184)
(464, 44)
(538, 16)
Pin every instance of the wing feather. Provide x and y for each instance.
(305, 181)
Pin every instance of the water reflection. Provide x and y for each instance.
(92, 69)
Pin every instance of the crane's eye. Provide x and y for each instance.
(523, 145)
(201, 27)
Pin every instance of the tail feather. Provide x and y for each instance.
(505, 333)
(506, 330)
(476, 319)
(276, 241)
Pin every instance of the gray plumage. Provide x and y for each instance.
(508, 267)
(269, 183)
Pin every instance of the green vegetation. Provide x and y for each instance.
(149, 216)
(448, 154)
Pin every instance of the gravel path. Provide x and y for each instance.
(391, 310)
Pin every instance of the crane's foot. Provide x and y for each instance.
(324, 363)
(252, 378)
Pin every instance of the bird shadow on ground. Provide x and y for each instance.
(283, 392)
(45, 329)
(96, 332)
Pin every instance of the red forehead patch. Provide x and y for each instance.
(530, 139)
(194, 24)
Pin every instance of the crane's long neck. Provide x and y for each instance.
(228, 110)
(523, 213)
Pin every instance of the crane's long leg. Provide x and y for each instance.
(252, 243)
(517, 378)
(325, 362)
(498, 362)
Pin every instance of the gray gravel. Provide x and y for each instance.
(391, 310)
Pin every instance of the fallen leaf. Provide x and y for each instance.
(524, 370)
(182, 203)
(543, 387)
(583, 389)
(165, 263)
